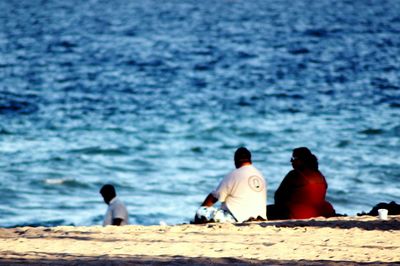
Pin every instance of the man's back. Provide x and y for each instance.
(244, 193)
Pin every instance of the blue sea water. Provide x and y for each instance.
(155, 96)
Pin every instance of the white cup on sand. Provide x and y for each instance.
(383, 214)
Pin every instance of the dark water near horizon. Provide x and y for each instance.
(155, 96)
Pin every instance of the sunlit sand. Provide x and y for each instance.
(343, 240)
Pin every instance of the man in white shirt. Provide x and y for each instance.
(243, 192)
(117, 213)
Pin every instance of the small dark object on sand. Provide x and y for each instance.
(392, 207)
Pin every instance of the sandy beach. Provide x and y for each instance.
(334, 241)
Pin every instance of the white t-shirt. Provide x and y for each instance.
(116, 209)
(244, 193)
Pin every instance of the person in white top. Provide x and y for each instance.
(243, 192)
(116, 214)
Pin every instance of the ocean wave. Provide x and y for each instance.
(372, 131)
(101, 151)
(17, 106)
(5, 132)
(65, 182)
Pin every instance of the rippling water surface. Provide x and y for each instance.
(155, 96)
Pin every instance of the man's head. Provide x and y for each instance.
(108, 193)
(242, 156)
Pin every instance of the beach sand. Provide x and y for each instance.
(334, 241)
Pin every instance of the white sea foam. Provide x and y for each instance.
(54, 181)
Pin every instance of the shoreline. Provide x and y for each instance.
(317, 241)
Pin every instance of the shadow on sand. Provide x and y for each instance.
(175, 260)
(392, 224)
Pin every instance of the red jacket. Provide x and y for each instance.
(301, 195)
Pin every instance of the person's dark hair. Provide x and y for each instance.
(310, 160)
(108, 190)
(242, 155)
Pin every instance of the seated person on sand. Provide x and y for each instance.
(242, 193)
(117, 213)
(301, 194)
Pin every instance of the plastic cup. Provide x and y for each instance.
(383, 214)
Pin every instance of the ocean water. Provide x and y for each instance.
(155, 96)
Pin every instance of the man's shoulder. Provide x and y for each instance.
(245, 171)
(251, 169)
(117, 202)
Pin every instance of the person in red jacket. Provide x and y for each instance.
(301, 194)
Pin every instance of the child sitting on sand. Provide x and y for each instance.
(117, 213)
